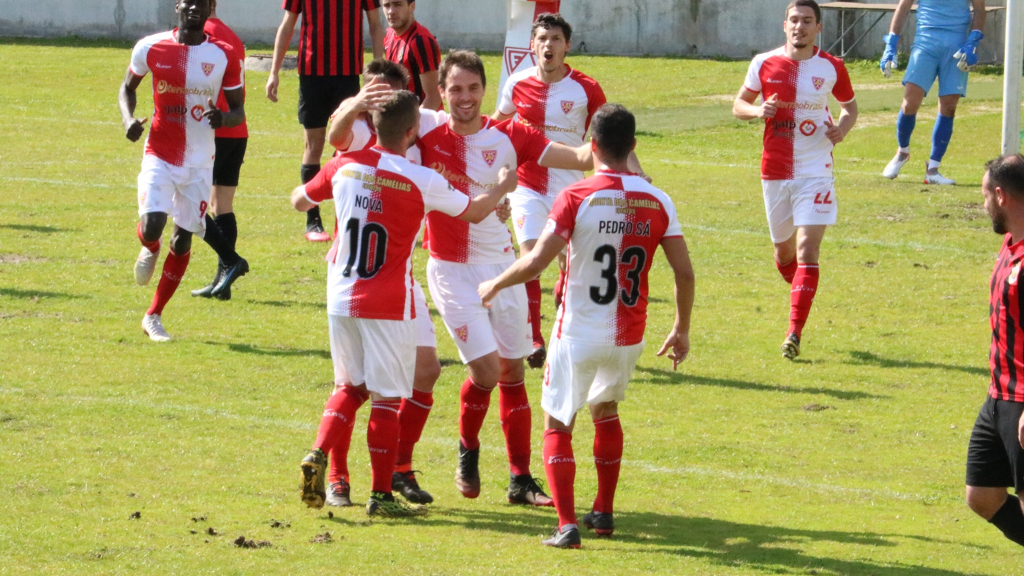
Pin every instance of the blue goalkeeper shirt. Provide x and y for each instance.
(938, 19)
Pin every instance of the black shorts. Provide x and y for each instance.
(228, 162)
(994, 456)
(319, 97)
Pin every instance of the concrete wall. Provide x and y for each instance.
(732, 28)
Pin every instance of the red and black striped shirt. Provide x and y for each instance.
(1006, 358)
(417, 50)
(331, 36)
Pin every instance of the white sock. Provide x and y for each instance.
(933, 165)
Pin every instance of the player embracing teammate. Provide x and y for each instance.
(794, 82)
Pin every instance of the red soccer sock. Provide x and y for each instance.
(787, 270)
(153, 246)
(559, 288)
(174, 270)
(560, 467)
(533, 302)
(335, 434)
(516, 421)
(805, 286)
(382, 438)
(607, 460)
(474, 402)
(412, 416)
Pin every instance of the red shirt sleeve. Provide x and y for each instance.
(321, 187)
(595, 99)
(293, 6)
(528, 142)
(370, 5)
(233, 75)
(428, 54)
(843, 90)
(562, 219)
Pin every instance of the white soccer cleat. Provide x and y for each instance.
(154, 328)
(145, 265)
(938, 179)
(892, 169)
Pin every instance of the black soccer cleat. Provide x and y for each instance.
(569, 538)
(313, 465)
(405, 484)
(384, 504)
(791, 347)
(339, 494)
(601, 523)
(231, 273)
(539, 355)
(207, 291)
(467, 474)
(523, 489)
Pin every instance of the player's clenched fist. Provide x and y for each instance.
(835, 134)
(213, 114)
(769, 108)
(134, 130)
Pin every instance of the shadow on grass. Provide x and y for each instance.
(772, 549)
(31, 294)
(286, 303)
(659, 376)
(250, 349)
(34, 228)
(449, 362)
(868, 358)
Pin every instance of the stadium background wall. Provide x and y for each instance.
(713, 28)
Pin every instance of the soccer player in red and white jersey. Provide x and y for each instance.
(613, 223)
(189, 70)
(381, 197)
(558, 101)
(794, 82)
(410, 44)
(470, 150)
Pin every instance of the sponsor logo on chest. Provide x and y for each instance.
(1014, 274)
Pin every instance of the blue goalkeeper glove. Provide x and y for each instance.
(967, 57)
(888, 62)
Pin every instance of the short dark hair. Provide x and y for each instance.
(1007, 172)
(465, 59)
(548, 21)
(614, 131)
(397, 116)
(805, 4)
(388, 71)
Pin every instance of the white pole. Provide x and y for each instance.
(1013, 64)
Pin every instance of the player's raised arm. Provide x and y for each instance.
(482, 206)
(281, 42)
(568, 158)
(548, 247)
(678, 339)
(376, 32)
(374, 93)
(126, 100)
(744, 107)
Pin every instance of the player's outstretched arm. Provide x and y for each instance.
(126, 101)
(744, 108)
(678, 339)
(371, 97)
(548, 247)
(567, 158)
(432, 96)
(376, 32)
(482, 206)
(281, 42)
(836, 133)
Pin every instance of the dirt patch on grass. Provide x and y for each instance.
(242, 542)
(324, 538)
(818, 407)
(20, 259)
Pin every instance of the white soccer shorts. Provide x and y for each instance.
(799, 202)
(425, 336)
(477, 330)
(581, 373)
(183, 193)
(530, 212)
(379, 353)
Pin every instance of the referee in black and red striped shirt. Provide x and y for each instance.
(410, 44)
(330, 62)
(995, 457)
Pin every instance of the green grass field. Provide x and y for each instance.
(848, 461)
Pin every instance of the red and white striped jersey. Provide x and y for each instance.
(184, 77)
(471, 164)
(795, 145)
(614, 223)
(380, 200)
(561, 110)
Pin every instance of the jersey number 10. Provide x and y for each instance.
(373, 239)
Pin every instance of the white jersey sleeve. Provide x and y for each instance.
(139, 63)
(438, 195)
(505, 103)
(431, 119)
(753, 79)
(361, 135)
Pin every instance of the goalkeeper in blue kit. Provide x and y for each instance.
(945, 47)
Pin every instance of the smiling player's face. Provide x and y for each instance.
(192, 14)
(801, 26)
(550, 48)
(464, 91)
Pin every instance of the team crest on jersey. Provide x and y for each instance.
(462, 332)
(520, 222)
(489, 156)
(515, 56)
(1014, 273)
(208, 68)
(818, 82)
(567, 106)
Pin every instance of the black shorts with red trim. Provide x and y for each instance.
(319, 97)
(228, 162)
(994, 456)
